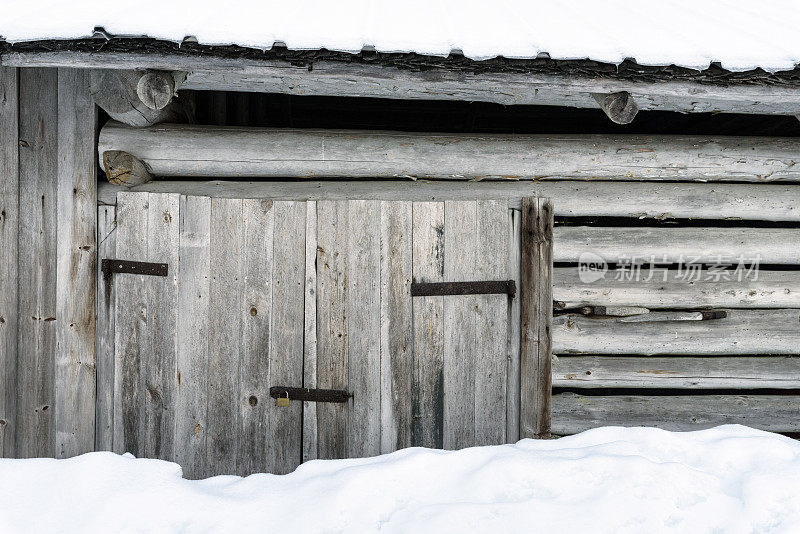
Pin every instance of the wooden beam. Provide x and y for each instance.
(741, 332)
(574, 413)
(620, 107)
(677, 245)
(120, 93)
(175, 150)
(331, 78)
(123, 169)
(75, 379)
(672, 289)
(9, 235)
(640, 200)
(536, 313)
(746, 372)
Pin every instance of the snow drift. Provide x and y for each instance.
(727, 479)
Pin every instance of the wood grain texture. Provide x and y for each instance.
(106, 296)
(741, 332)
(536, 316)
(571, 198)
(75, 364)
(396, 325)
(38, 257)
(116, 91)
(193, 304)
(287, 334)
(427, 399)
(310, 434)
(573, 413)
(731, 372)
(9, 245)
(672, 289)
(677, 245)
(514, 322)
(172, 150)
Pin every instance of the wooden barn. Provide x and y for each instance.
(242, 258)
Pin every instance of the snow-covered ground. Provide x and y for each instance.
(726, 479)
(740, 34)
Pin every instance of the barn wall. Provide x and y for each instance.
(46, 402)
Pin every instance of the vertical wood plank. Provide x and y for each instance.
(253, 447)
(225, 333)
(75, 377)
(491, 324)
(513, 384)
(460, 260)
(130, 324)
(194, 287)
(536, 317)
(396, 320)
(36, 342)
(310, 434)
(106, 248)
(159, 362)
(286, 333)
(364, 327)
(427, 401)
(332, 294)
(9, 228)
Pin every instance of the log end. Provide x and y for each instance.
(156, 89)
(620, 107)
(125, 169)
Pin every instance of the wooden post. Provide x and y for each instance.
(75, 378)
(9, 212)
(536, 298)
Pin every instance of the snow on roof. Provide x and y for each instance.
(738, 34)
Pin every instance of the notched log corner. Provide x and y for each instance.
(125, 169)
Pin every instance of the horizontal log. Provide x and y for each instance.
(119, 93)
(573, 413)
(670, 289)
(741, 332)
(676, 245)
(732, 372)
(177, 150)
(641, 200)
(331, 78)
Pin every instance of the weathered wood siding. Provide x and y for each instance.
(47, 273)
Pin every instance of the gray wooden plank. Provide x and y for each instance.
(536, 316)
(75, 362)
(741, 332)
(461, 256)
(253, 449)
(427, 401)
(193, 303)
(130, 325)
(730, 372)
(513, 380)
(106, 292)
(38, 177)
(673, 288)
(332, 296)
(9, 229)
(640, 200)
(573, 413)
(490, 355)
(310, 434)
(397, 326)
(287, 333)
(225, 334)
(159, 361)
(363, 314)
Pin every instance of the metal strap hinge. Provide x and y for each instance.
(491, 287)
(112, 266)
(312, 395)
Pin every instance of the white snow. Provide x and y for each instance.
(727, 479)
(740, 34)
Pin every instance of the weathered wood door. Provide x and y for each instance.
(264, 293)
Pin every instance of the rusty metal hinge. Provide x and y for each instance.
(491, 287)
(312, 395)
(111, 266)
